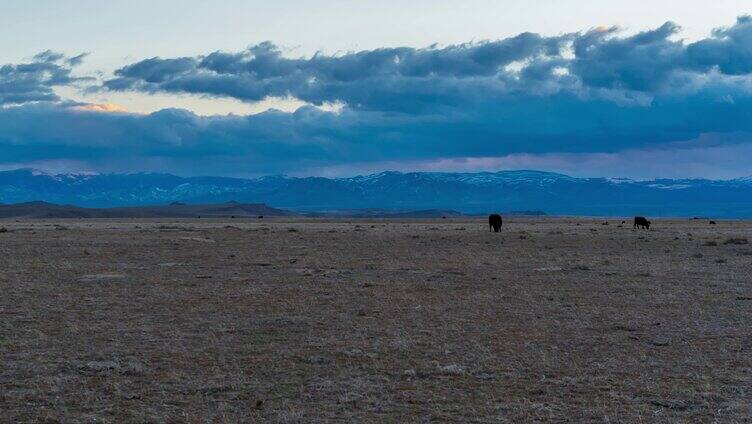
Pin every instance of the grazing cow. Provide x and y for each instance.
(494, 223)
(712, 222)
(641, 222)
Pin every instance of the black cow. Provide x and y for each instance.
(641, 222)
(712, 222)
(494, 223)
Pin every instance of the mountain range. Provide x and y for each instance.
(469, 193)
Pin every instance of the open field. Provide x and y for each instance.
(553, 320)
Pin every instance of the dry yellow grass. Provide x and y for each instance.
(553, 320)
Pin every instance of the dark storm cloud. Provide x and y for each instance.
(34, 81)
(275, 142)
(416, 80)
(642, 62)
(730, 49)
(383, 79)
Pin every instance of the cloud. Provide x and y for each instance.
(587, 95)
(728, 50)
(35, 81)
(642, 62)
(180, 141)
(599, 62)
(401, 79)
(315, 142)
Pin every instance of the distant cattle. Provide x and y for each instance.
(494, 223)
(641, 222)
(712, 222)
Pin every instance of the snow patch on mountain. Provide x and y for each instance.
(621, 180)
(670, 186)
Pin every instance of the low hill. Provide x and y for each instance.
(42, 210)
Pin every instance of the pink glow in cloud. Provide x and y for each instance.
(701, 158)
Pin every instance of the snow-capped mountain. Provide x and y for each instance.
(466, 192)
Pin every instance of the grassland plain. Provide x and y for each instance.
(553, 320)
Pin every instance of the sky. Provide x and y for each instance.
(245, 88)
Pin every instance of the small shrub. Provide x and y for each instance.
(581, 267)
(738, 240)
